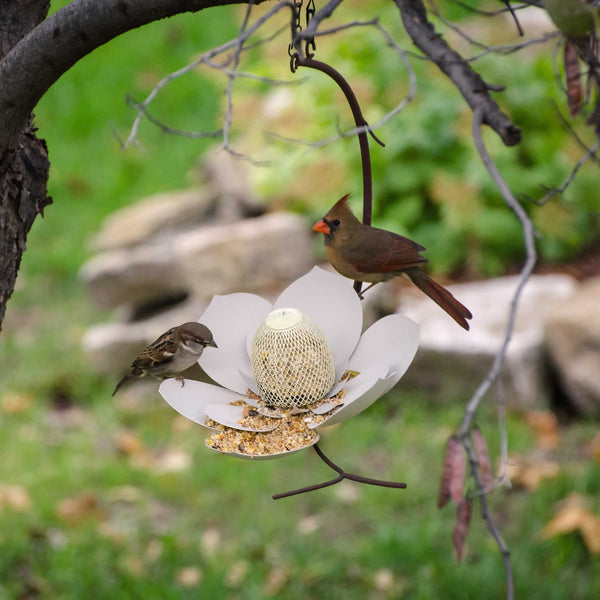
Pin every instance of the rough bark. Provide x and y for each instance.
(25, 174)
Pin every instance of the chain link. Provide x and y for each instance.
(296, 25)
(310, 47)
(310, 12)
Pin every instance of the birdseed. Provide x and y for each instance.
(291, 434)
(291, 426)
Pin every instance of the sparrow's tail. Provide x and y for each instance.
(441, 296)
(124, 381)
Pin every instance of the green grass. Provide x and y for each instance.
(145, 525)
(148, 525)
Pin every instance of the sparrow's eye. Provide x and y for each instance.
(336, 222)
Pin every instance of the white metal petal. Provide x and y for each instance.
(191, 399)
(231, 318)
(355, 388)
(230, 416)
(325, 408)
(392, 341)
(264, 456)
(330, 301)
(363, 396)
(250, 383)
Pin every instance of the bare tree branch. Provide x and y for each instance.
(530, 261)
(56, 44)
(34, 53)
(237, 44)
(496, 369)
(469, 83)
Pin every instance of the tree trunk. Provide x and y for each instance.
(24, 165)
(27, 70)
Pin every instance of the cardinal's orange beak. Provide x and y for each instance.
(322, 227)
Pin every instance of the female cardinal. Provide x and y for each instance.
(372, 255)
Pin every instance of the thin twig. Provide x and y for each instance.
(531, 258)
(232, 76)
(311, 29)
(412, 90)
(496, 369)
(487, 517)
(493, 13)
(240, 39)
(511, 48)
(139, 106)
(551, 192)
(341, 475)
(473, 88)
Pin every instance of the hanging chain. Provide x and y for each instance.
(310, 47)
(310, 43)
(296, 25)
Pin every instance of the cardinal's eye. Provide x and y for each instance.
(336, 223)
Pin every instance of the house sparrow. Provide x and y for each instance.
(372, 255)
(172, 353)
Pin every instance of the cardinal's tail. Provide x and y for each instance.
(441, 296)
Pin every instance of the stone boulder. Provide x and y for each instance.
(454, 361)
(573, 344)
(224, 197)
(251, 255)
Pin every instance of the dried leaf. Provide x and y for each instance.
(210, 542)
(594, 447)
(13, 403)
(167, 460)
(461, 526)
(129, 444)
(188, 576)
(236, 573)
(530, 473)
(80, 508)
(574, 90)
(453, 473)
(545, 426)
(276, 579)
(575, 516)
(483, 458)
(15, 497)
(384, 580)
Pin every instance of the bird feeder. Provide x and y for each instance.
(291, 361)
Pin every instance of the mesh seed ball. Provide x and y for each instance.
(291, 361)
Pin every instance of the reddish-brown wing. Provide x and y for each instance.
(380, 251)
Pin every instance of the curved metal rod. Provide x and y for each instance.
(361, 123)
(341, 475)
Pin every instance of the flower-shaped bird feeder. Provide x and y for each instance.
(289, 368)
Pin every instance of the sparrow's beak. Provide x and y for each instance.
(322, 227)
(212, 344)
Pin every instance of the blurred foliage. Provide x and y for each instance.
(429, 182)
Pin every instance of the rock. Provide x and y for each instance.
(257, 254)
(228, 177)
(455, 361)
(133, 275)
(225, 197)
(573, 343)
(253, 255)
(149, 218)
